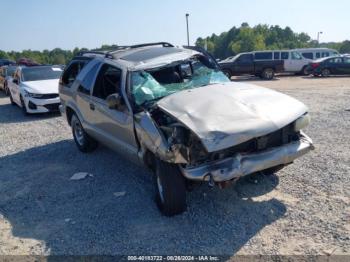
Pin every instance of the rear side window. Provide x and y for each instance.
(284, 55)
(263, 56)
(276, 55)
(108, 82)
(89, 79)
(335, 60)
(72, 72)
(325, 54)
(318, 55)
(308, 55)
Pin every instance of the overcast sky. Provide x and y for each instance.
(43, 24)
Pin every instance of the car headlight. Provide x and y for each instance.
(28, 94)
(302, 122)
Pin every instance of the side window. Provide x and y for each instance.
(245, 58)
(325, 54)
(308, 55)
(263, 56)
(284, 55)
(296, 56)
(347, 60)
(108, 82)
(71, 73)
(276, 55)
(318, 55)
(89, 79)
(335, 60)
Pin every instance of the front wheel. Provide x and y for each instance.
(325, 72)
(268, 74)
(84, 142)
(171, 189)
(305, 71)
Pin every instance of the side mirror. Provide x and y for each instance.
(15, 81)
(114, 101)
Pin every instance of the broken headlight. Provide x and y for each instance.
(302, 122)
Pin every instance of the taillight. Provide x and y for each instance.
(315, 65)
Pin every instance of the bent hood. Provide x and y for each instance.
(42, 86)
(228, 114)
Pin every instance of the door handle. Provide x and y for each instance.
(92, 106)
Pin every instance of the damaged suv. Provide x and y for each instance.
(173, 110)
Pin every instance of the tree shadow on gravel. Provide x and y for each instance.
(85, 217)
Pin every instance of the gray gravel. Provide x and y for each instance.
(304, 209)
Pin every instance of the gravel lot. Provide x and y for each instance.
(304, 209)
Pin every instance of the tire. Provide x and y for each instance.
(227, 73)
(268, 74)
(84, 142)
(11, 99)
(305, 71)
(171, 189)
(325, 72)
(23, 106)
(6, 89)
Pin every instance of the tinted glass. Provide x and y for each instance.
(318, 55)
(71, 73)
(107, 82)
(284, 55)
(245, 58)
(276, 55)
(308, 55)
(335, 60)
(88, 81)
(41, 73)
(325, 54)
(263, 56)
(347, 60)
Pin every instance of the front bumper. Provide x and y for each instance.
(245, 164)
(35, 105)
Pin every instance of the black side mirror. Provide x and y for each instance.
(15, 81)
(114, 101)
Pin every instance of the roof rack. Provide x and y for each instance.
(104, 53)
(164, 44)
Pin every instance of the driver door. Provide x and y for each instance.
(113, 127)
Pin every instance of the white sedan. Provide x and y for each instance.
(35, 89)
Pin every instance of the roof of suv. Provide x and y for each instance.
(145, 55)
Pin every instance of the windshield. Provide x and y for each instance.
(10, 71)
(41, 73)
(148, 86)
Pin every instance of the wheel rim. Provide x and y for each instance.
(160, 189)
(268, 73)
(325, 72)
(305, 71)
(78, 133)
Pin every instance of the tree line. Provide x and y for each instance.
(236, 40)
(261, 37)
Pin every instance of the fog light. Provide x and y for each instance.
(302, 122)
(31, 105)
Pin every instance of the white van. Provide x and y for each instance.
(316, 53)
(294, 62)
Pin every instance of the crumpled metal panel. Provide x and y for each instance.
(241, 165)
(228, 114)
(152, 139)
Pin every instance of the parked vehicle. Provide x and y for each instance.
(6, 62)
(6, 73)
(338, 65)
(316, 53)
(35, 89)
(174, 111)
(27, 62)
(254, 63)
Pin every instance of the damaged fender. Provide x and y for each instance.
(151, 138)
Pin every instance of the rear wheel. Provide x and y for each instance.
(268, 73)
(325, 72)
(305, 71)
(171, 189)
(84, 142)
